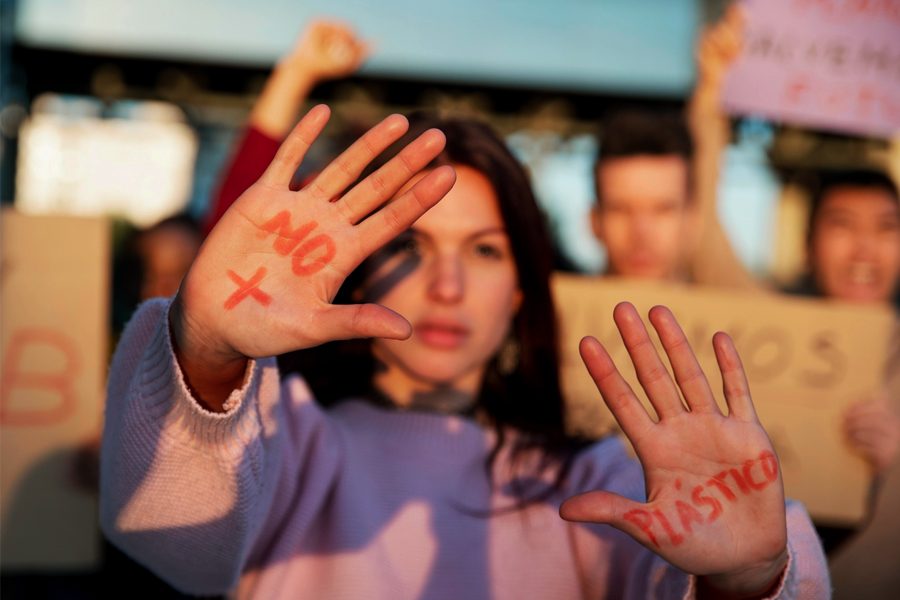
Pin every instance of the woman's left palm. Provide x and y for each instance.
(715, 500)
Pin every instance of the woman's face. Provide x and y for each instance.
(855, 245)
(454, 278)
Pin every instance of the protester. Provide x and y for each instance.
(644, 214)
(216, 475)
(853, 249)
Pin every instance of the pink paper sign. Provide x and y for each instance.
(825, 64)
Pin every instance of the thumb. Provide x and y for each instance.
(597, 507)
(631, 517)
(344, 322)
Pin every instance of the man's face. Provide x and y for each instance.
(854, 247)
(642, 216)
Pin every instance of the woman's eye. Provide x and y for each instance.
(488, 251)
(405, 244)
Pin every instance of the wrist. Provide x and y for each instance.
(293, 74)
(275, 111)
(757, 582)
(211, 370)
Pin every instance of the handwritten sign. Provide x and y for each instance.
(827, 64)
(53, 312)
(806, 361)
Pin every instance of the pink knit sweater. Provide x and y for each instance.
(278, 498)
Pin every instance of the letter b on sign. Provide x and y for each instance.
(38, 384)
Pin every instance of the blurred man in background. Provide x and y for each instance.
(644, 216)
(656, 181)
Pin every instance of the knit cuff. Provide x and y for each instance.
(167, 399)
(784, 581)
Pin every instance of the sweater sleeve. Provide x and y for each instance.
(195, 495)
(254, 153)
(637, 572)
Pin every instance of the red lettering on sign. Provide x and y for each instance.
(18, 374)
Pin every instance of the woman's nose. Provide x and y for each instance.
(446, 283)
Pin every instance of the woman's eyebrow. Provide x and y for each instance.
(488, 231)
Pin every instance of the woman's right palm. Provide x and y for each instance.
(264, 280)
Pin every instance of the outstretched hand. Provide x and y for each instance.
(715, 499)
(263, 282)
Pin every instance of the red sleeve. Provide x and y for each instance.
(254, 153)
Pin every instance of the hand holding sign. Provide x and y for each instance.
(264, 280)
(715, 500)
(717, 50)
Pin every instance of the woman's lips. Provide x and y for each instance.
(445, 335)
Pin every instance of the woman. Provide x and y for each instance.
(217, 477)
(853, 252)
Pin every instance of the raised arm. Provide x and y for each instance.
(203, 456)
(715, 503)
(263, 282)
(714, 261)
(325, 50)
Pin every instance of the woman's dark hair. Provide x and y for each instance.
(528, 398)
(629, 133)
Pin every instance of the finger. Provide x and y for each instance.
(397, 216)
(344, 322)
(384, 183)
(346, 168)
(615, 391)
(872, 430)
(873, 453)
(650, 370)
(879, 421)
(875, 408)
(289, 156)
(871, 437)
(634, 518)
(734, 381)
(736, 16)
(690, 377)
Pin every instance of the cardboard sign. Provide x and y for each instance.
(806, 361)
(826, 64)
(54, 335)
